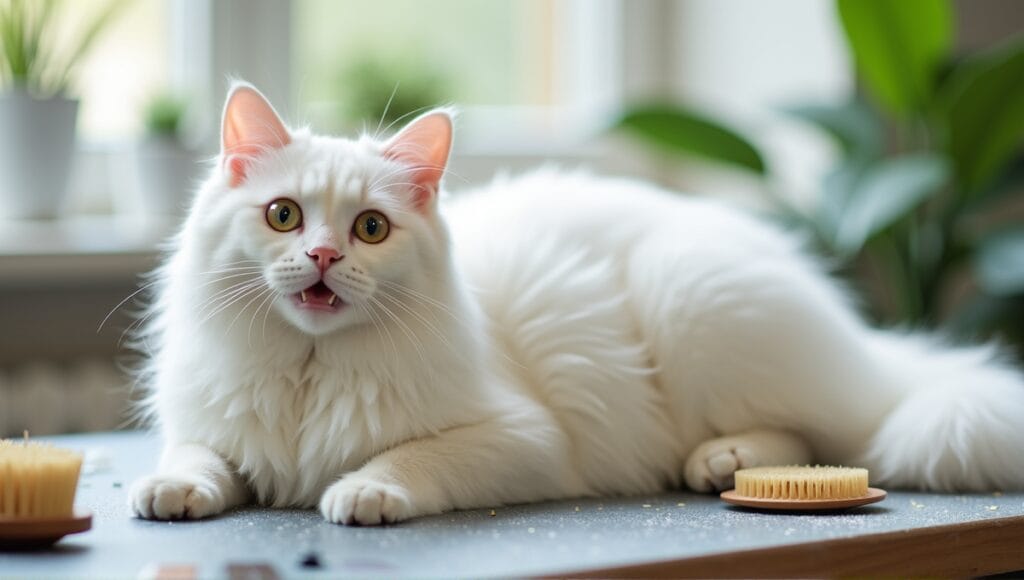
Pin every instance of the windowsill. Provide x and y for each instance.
(97, 248)
(83, 249)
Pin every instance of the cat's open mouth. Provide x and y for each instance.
(319, 297)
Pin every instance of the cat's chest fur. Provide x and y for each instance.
(292, 430)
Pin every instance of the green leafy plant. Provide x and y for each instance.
(920, 208)
(29, 55)
(164, 113)
(388, 89)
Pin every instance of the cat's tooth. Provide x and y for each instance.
(334, 298)
(302, 294)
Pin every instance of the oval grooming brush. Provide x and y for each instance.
(802, 488)
(37, 494)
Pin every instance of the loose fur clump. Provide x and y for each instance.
(325, 335)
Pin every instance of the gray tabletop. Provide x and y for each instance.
(541, 539)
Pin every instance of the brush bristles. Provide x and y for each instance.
(37, 480)
(806, 482)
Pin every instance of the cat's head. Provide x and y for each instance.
(328, 232)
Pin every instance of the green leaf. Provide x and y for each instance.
(898, 46)
(984, 109)
(837, 187)
(983, 317)
(999, 263)
(853, 125)
(1000, 190)
(883, 193)
(85, 42)
(687, 132)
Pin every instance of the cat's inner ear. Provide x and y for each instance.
(250, 127)
(423, 147)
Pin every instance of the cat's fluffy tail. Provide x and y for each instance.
(960, 425)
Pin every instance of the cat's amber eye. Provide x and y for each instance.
(371, 227)
(284, 215)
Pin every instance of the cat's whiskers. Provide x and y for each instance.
(426, 323)
(429, 308)
(223, 293)
(232, 299)
(237, 263)
(387, 107)
(122, 303)
(378, 324)
(406, 169)
(271, 295)
(415, 111)
(258, 295)
(428, 301)
(266, 315)
(225, 306)
(413, 339)
(252, 274)
(231, 270)
(220, 297)
(424, 299)
(213, 308)
(135, 325)
(384, 176)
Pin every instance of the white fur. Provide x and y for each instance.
(574, 336)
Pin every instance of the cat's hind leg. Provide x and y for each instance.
(751, 334)
(192, 482)
(710, 467)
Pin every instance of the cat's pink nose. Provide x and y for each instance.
(324, 257)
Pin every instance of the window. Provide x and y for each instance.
(532, 79)
(127, 66)
(512, 66)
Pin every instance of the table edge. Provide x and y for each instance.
(965, 549)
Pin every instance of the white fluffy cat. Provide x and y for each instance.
(323, 336)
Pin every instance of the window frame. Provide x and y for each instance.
(216, 40)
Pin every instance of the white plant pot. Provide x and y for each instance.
(165, 174)
(37, 139)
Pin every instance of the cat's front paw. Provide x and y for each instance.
(711, 466)
(368, 502)
(168, 497)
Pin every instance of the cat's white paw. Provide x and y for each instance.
(711, 466)
(366, 502)
(168, 497)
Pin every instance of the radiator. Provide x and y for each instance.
(47, 398)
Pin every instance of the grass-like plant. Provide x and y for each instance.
(163, 114)
(31, 58)
(924, 208)
(385, 89)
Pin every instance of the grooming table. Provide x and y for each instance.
(669, 535)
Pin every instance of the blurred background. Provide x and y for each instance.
(888, 134)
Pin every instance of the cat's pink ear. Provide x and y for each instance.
(423, 146)
(249, 128)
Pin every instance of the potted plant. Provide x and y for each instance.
(923, 208)
(164, 165)
(387, 89)
(37, 118)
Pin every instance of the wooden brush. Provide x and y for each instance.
(802, 488)
(37, 494)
